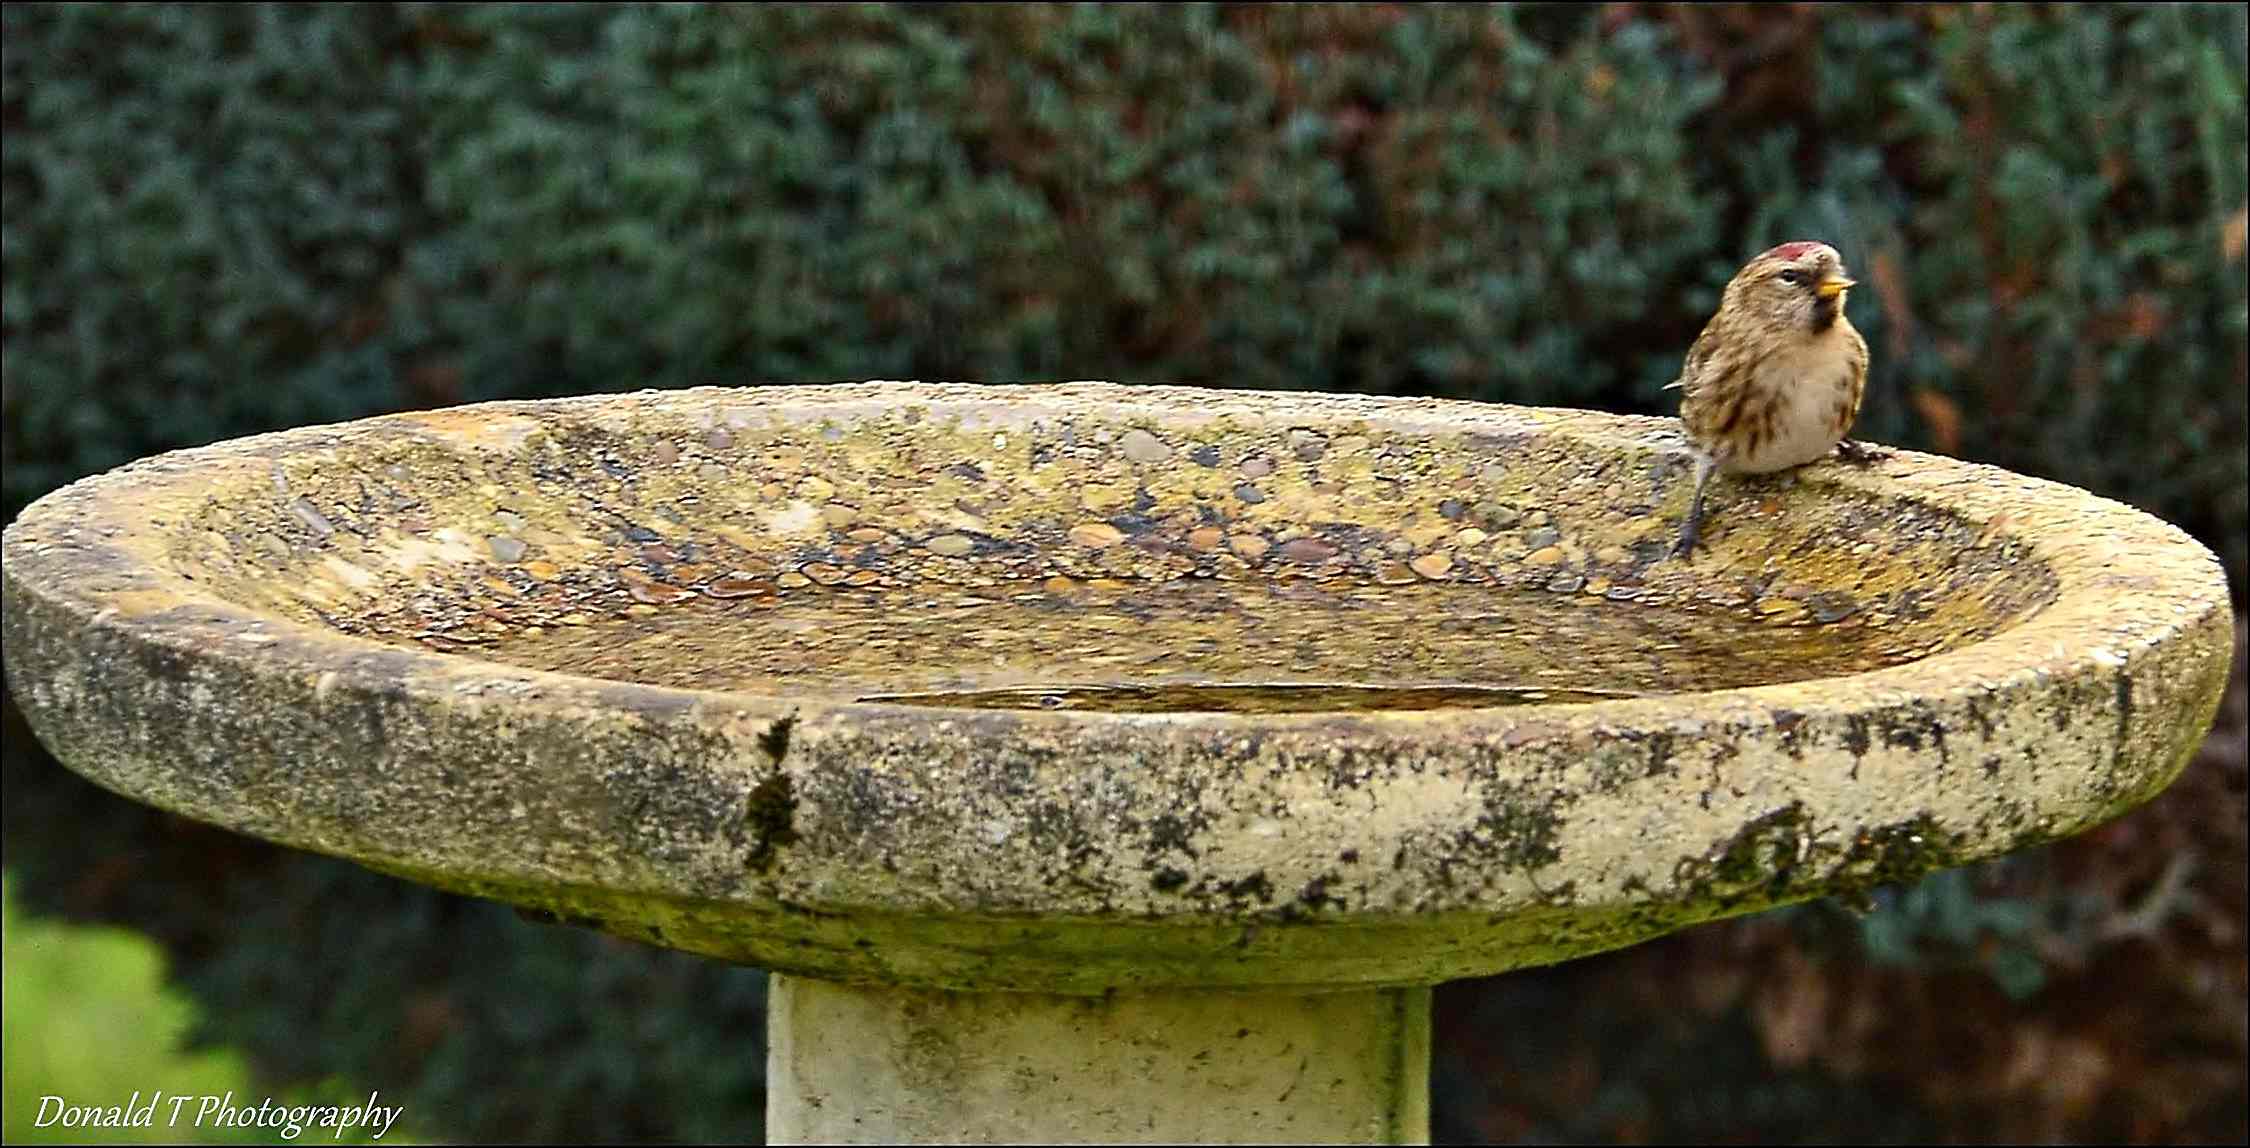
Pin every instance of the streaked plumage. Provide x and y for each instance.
(1775, 379)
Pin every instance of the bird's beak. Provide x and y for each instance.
(1833, 286)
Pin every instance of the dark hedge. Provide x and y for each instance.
(224, 219)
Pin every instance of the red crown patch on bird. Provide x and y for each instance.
(1795, 250)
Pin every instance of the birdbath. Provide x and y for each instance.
(1093, 762)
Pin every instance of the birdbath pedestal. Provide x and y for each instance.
(1094, 762)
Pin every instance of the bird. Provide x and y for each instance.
(1776, 377)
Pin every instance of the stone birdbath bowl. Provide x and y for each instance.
(1096, 762)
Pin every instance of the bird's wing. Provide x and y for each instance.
(1692, 370)
(1858, 360)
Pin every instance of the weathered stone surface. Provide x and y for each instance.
(655, 722)
(850, 1065)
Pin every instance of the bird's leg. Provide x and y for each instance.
(1691, 531)
(1859, 453)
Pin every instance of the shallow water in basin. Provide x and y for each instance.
(1252, 698)
(1197, 645)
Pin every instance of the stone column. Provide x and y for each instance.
(851, 1064)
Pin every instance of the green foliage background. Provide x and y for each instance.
(220, 220)
(88, 1011)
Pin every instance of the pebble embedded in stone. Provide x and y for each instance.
(1143, 447)
(792, 581)
(837, 515)
(1307, 446)
(1498, 515)
(509, 520)
(737, 585)
(1434, 565)
(950, 545)
(1107, 495)
(1206, 537)
(1451, 509)
(825, 573)
(1096, 535)
(1249, 546)
(1826, 609)
(1566, 583)
(306, 513)
(664, 453)
(1257, 466)
(1545, 556)
(1205, 455)
(1544, 536)
(656, 593)
(504, 548)
(719, 438)
(814, 488)
(1307, 550)
(1470, 537)
(1394, 574)
(1249, 494)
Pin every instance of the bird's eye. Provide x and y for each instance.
(1793, 276)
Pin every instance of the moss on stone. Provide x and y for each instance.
(771, 814)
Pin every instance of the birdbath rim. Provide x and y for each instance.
(2068, 629)
(1074, 850)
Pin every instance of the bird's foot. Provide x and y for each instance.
(1691, 534)
(1859, 453)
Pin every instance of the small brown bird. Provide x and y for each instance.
(1775, 379)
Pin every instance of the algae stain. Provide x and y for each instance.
(1898, 853)
(1255, 886)
(1764, 857)
(770, 813)
(771, 817)
(775, 740)
(1519, 829)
